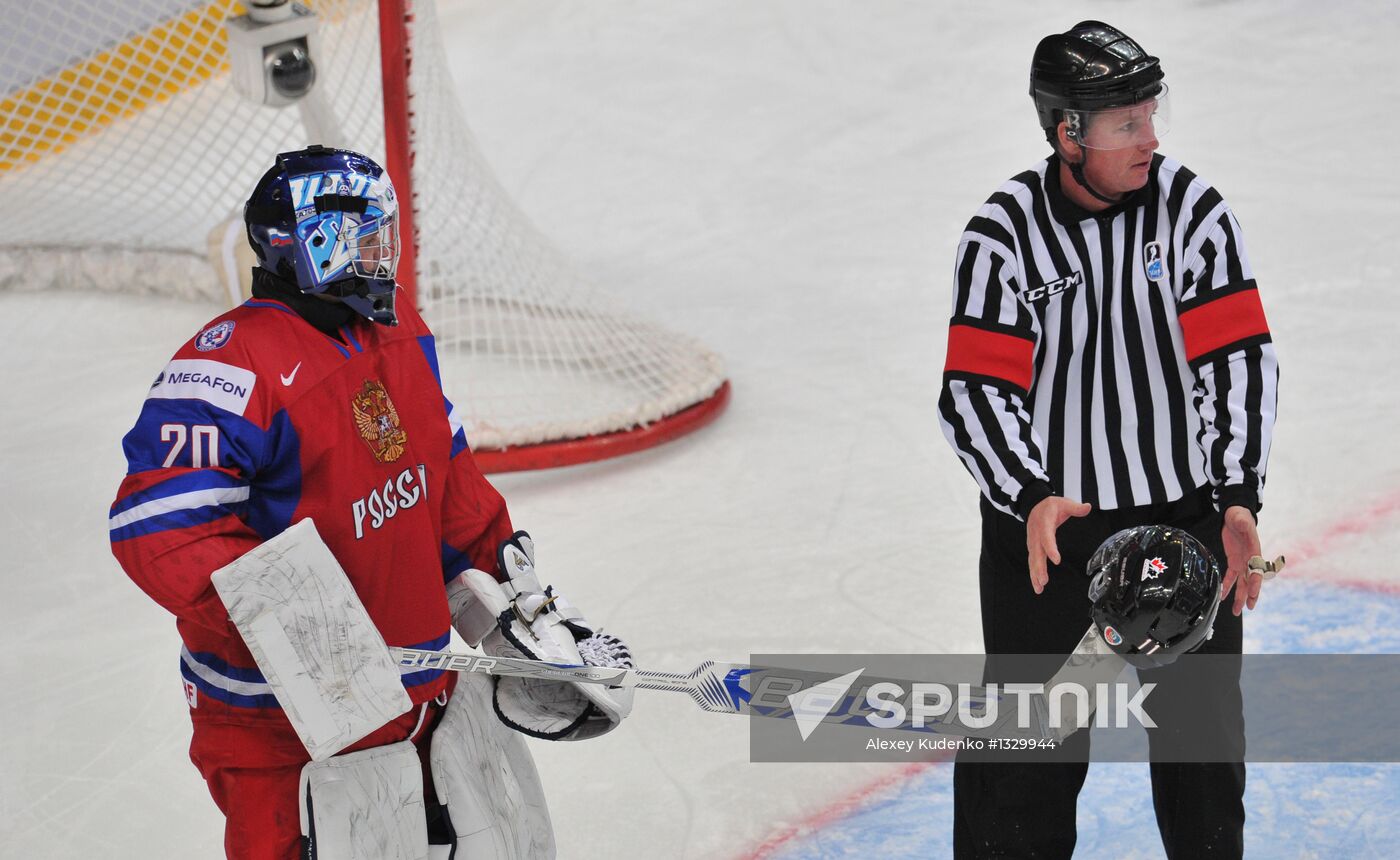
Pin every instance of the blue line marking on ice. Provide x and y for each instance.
(1298, 811)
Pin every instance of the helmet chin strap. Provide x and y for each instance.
(1076, 169)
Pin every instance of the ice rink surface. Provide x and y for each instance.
(787, 182)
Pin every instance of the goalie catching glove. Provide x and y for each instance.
(519, 618)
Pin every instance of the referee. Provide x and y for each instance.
(1109, 365)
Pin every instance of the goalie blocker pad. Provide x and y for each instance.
(365, 805)
(313, 640)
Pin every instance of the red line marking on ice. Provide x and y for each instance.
(1371, 585)
(835, 811)
(1354, 525)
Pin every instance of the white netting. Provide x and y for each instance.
(124, 152)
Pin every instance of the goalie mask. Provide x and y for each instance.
(1155, 591)
(326, 220)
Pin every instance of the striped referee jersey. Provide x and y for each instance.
(1120, 358)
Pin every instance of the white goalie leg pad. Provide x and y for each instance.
(313, 640)
(487, 782)
(366, 805)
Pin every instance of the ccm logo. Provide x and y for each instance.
(1054, 288)
(397, 494)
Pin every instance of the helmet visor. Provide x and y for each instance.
(373, 245)
(1120, 127)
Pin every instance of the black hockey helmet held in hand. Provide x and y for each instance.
(1155, 591)
(1091, 67)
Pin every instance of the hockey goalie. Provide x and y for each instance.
(319, 401)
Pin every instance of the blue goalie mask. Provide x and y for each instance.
(327, 220)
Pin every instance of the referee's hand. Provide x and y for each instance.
(1046, 517)
(1241, 539)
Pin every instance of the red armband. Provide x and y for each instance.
(1222, 322)
(980, 352)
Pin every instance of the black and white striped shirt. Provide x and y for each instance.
(1120, 358)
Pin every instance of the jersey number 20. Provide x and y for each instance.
(204, 448)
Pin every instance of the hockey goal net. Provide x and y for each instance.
(126, 155)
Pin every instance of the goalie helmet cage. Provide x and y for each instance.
(126, 155)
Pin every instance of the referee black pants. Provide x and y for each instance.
(1026, 809)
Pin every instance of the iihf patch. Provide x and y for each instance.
(1152, 261)
(1111, 636)
(214, 336)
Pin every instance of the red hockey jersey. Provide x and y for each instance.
(260, 421)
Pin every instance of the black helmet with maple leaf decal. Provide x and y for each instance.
(1155, 591)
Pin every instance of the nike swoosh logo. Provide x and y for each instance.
(288, 377)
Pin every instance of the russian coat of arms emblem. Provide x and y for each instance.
(378, 422)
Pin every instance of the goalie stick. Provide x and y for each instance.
(714, 686)
(719, 687)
